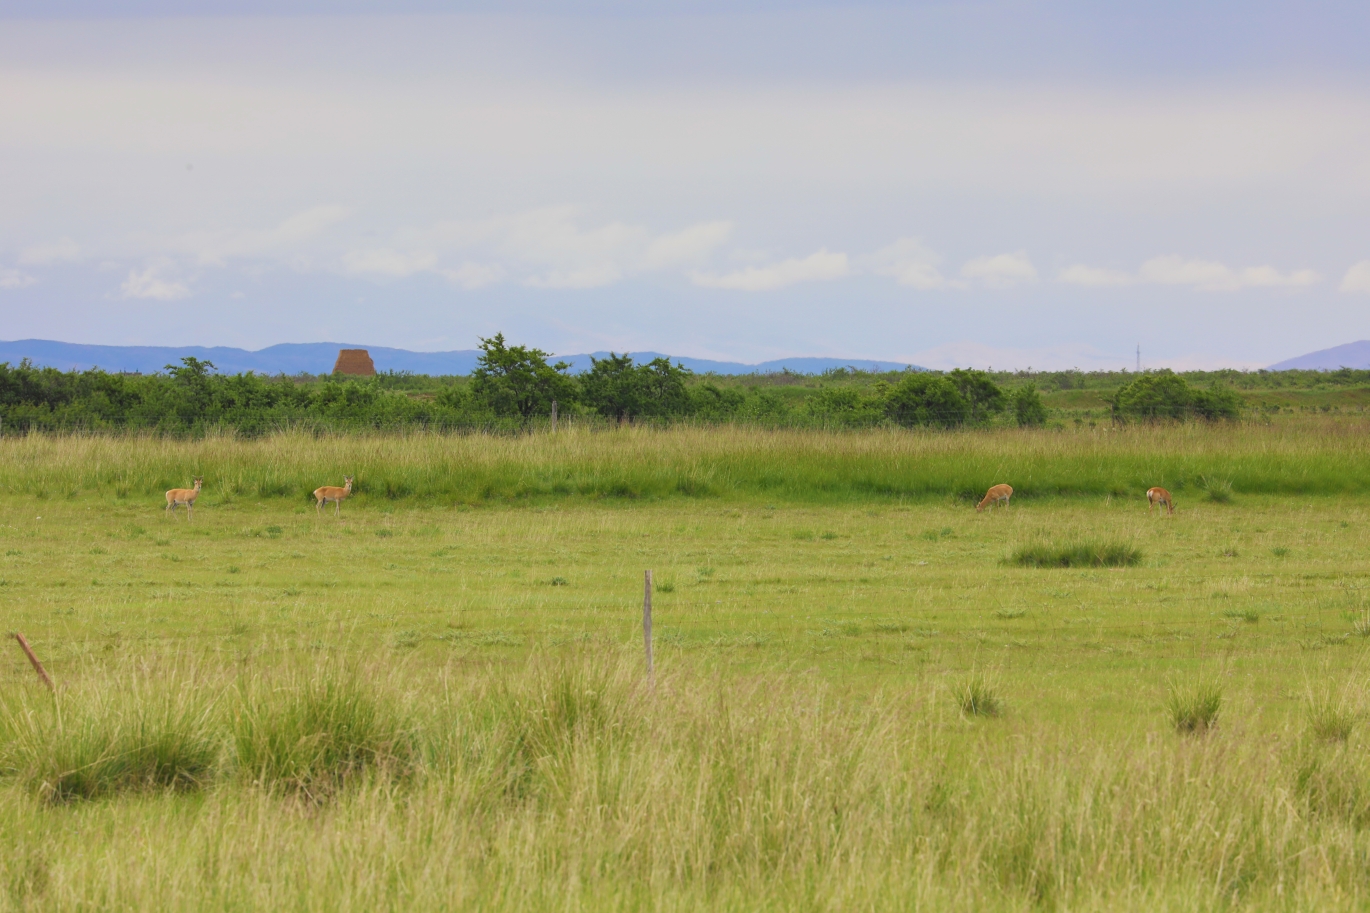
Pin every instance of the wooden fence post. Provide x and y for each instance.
(37, 666)
(647, 620)
(554, 415)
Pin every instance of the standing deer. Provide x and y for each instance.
(332, 493)
(184, 496)
(995, 495)
(1159, 496)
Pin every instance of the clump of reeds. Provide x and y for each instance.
(1193, 707)
(1082, 553)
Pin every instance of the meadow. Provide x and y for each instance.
(436, 699)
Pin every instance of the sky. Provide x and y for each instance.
(1008, 184)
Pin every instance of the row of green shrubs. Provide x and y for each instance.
(513, 385)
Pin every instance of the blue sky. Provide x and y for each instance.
(1003, 183)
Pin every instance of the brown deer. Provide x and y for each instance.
(332, 493)
(184, 496)
(996, 494)
(1159, 496)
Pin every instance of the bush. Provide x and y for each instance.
(1028, 408)
(1193, 708)
(926, 399)
(1166, 395)
(1076, 554)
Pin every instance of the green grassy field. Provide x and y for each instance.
(436, 699)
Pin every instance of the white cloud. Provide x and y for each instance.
(689, 246)
(62, 251)
(13, 278)
(816, 267)
(1002, 270)
(149, 284)
(1211, 276)
(592, 276)
(387, 262)
(907, 262)
(216, 248)
(1357, 278)
(472, 275)
(1205, 275)
(1208, 275)
(1080, 274)
(541, 248)
(1269, 277)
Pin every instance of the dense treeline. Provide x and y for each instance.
(513, 385)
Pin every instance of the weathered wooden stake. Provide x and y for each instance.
(647, 620)
(37, 666)
(554, 415)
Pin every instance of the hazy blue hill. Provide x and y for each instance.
(1351, 355)
(318, 358)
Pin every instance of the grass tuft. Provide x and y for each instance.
(1086, 553)
(979, 696)
(1219, 491)
(1193, 707)
(313, 735)
(1330, 716)
(92, 743)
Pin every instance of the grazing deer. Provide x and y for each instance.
(995, 495)
(1159, 496)
(184, 496)
(332, 493)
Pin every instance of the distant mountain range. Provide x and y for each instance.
(318, 358)
(1351, 355)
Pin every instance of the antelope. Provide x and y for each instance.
(332, 493)
(1160, 496)
(996, 494)
(184, 496)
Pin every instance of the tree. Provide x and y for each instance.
(613, 386)
(516, 380)
(980, 392)
(924, 398)
(1027, 406)
(663, 387)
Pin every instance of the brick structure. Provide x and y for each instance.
(354, 361)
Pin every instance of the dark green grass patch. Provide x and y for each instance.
(1084, 553)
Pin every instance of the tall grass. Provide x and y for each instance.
(571, 782)
(318, 730)
(727, 461)
(96, 741)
